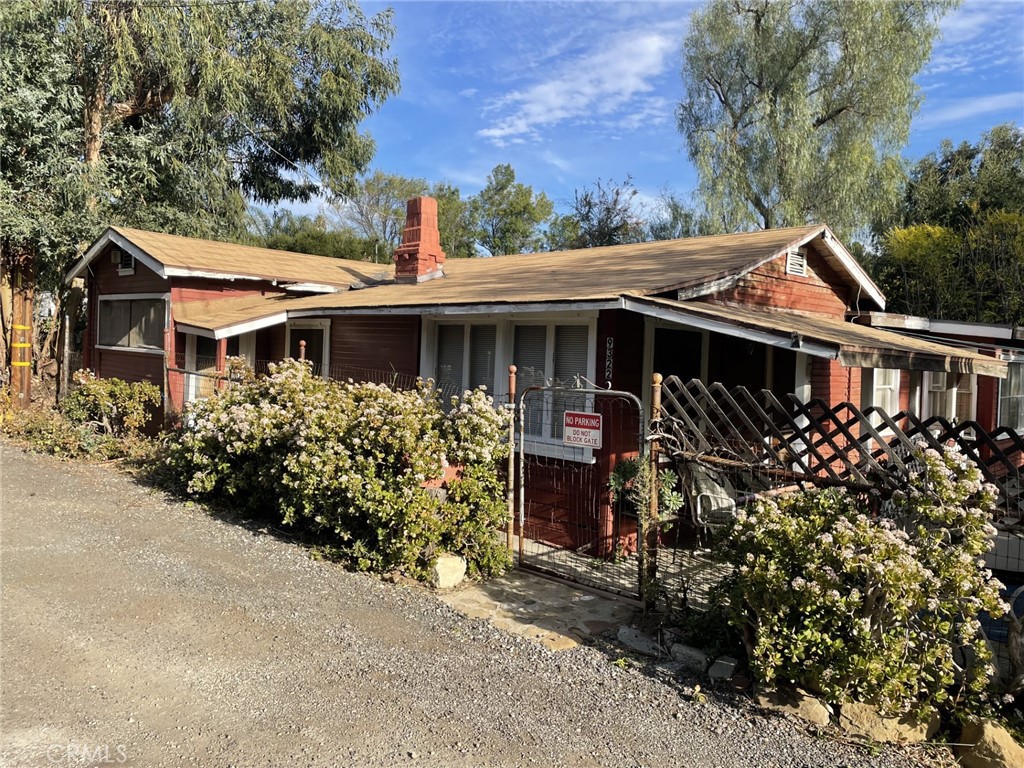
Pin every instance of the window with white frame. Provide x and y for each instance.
(1011, 396)
(465, 357)
(131, 323)
(886, 390)
(952, 396)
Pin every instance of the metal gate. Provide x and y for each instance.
(570, 525)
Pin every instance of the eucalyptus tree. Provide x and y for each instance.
(796, 110)
(170, 115)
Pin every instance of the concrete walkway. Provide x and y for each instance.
(555, 614)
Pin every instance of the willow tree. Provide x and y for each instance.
(173, 115)
(796, 110)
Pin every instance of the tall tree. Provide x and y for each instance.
(674, 219)
(796, 110)
(509, 214)
(455, 219)
(957, 186)
(171, 114)
(958, 250)
(376, 210)
(604, 214)
(285, 231)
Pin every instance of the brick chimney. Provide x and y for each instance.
(419, 257)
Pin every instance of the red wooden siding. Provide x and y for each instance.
(820, 293)
(833, 383)
(625, 330)
(376, 343)
(207, 289)
(107, 281)
(130, 366)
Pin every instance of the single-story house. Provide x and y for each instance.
(768, 309)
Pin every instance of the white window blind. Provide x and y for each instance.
(450, 355)
(482, 346)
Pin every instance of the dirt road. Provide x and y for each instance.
(141, 631)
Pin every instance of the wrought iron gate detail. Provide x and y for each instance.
(568, 524)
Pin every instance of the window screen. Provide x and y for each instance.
(137, 323)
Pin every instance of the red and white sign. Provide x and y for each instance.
(583, 429)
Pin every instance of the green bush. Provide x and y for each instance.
(351, 461)
(112, 406)
(857, 607)
(101, 419)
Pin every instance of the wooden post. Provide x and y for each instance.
(21, 346)
(302, 349)
(510, 492)
(651, 526)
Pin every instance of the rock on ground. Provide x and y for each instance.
(864, 720)
(798, 703)
(990, 746)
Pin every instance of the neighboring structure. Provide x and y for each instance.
(958, 396)
(764, 309)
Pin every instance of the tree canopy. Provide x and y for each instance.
(603, 214)
(958, 250)
(796, 110)
(509, 214)
(169, 115)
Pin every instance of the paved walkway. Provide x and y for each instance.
(555, 614)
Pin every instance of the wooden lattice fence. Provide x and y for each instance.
(789, 440)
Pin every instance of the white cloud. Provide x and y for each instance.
(603, 83)
(468, 93)
(558, 162)
(964, 109)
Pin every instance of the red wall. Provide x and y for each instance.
(821, 292)
(381, 343)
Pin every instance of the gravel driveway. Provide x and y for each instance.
(141, 631)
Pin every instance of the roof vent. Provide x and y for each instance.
(796, 262)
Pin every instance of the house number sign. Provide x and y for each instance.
(609, 355)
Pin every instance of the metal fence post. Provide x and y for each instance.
(651, 525)
(510, 483)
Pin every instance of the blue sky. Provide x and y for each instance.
(569, 92)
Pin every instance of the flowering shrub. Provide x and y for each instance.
(114, 407)
(860, 607)
(351, 461)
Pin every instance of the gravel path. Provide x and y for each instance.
(141, 631)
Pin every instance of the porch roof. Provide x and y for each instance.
(855, 346)
(229, 317)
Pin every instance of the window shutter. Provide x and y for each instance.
(115, 323)
(482, 344)
(529, 355)
(570, 354)
(450, 348)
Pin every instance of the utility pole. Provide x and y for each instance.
(21, 327)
